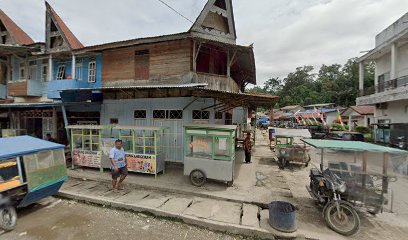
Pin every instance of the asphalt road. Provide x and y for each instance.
(60, 219)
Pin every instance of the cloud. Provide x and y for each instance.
(286, 33)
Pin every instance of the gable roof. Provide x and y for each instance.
(364, 110)
(71, 39)
(17, 34)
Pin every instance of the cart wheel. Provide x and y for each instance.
(8, 218)
(198, 178)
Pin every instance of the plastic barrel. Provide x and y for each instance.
(282, 216)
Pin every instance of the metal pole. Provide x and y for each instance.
(321, 160)
(64, 114)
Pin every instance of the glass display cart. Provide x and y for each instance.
(209, 153)
(86, 146)
(144, 147)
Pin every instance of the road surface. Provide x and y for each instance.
(66, 220)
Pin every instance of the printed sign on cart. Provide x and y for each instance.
(87, 158)
(141, 163)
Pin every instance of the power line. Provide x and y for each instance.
(174, 10)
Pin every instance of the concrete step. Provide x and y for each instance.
(220, 215)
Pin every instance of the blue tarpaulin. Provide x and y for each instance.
(22, 145)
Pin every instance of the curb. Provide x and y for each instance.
(209, 224)
(177, 191)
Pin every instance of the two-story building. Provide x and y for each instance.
(197, 76)
(390, 92)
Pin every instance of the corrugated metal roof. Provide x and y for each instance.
(351, 146)
(26, 145)
(189, 85)
(16, 105)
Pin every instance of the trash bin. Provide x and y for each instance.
(282, 216)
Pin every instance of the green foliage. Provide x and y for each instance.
(337, 127)
(362, 129)
(369, 137)
(334, 83)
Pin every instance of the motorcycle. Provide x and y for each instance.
(401, 143)
(327, 189)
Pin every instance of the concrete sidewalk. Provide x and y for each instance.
(220, 215)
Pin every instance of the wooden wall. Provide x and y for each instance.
(167, 59)
(17, 89)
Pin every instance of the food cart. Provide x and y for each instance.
(86, 148)
(209, 153)
(288, 151)
(145, 148)
(30, 169)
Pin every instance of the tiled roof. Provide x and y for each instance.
(364, 110)
(15, 31)
(73, 41)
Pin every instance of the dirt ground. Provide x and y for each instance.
(68, 220)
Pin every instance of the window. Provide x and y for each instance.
(168, 114)
(198, 115)
(22, 71)
(219, 115)
(92, 72)
(175, 114)
(61, 72)
(114, 121)
(142, 63)
(159, 114)
(32, 70)
(44, 73)
(78, 71)
(213, 60)
(140, 114)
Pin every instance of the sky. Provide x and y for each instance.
(286, 33)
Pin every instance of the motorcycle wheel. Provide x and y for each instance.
(346, 223)
(8, 218)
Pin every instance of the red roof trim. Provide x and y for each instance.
(15, 31)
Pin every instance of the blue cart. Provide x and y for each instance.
(30, 169)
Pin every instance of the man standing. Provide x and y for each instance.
(118, 165)
(248, 148)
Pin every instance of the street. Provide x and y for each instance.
(61, 219)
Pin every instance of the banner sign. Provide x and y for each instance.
(141, 163)
(87, 158)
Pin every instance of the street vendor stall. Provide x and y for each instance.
(209, 153)
(144, 147)
(86, 145)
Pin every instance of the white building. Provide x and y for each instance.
(390, 93)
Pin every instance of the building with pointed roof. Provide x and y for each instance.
(198, 76)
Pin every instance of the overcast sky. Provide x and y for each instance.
(286, 33)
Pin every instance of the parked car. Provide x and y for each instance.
(345, 136)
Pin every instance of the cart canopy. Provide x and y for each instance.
(23, 145)
(351, 146)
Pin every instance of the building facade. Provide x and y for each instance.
(198, 76)
(389, 94)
